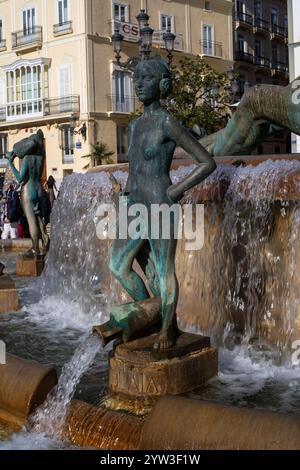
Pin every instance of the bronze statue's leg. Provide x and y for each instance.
(164, 260)
(33, 224)
(122, 257)
(144, 259)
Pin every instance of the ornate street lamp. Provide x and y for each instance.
(142, 19)
(116, 40)
(169, 39)
(145, 42)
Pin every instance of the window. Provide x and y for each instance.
(208, 44)
(274, 53)
(257, 48)
(241, 43)
(241, 7)
(63, 14)
(121, 12)
(1, 31)
(64, 86)
(207, 6)
(68, 144)
(28, 21)
(2, 93)
(167, 23)
(24, 91)
(257, 9)
(274, 16)
(3, 146)
(122, 143)
(122, 99)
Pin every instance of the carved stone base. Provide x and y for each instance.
(30, 266)
(9, 300)
(136, 370)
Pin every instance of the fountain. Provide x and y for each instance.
(239, 294)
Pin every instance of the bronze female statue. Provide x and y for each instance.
(153, 138)
(34, 199)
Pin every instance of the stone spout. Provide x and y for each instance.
(130, 321)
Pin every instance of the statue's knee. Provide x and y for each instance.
(117, 268)
(114, 266)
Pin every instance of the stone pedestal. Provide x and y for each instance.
(9, 300)
(136, 370)
(30, 266)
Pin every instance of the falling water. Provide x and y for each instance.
(46, 425)
(50, 417)
(246, 274)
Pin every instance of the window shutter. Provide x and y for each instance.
(65, 87)
(2, 92)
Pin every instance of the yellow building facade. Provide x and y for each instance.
(57, 69)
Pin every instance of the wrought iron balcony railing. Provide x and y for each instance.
(2, 44)
(244, 57)
(2, 114)
(280, 67)
(279, 31)
(261, 24)
(211, 48)
(244, 18)
(63, 28)
(122, 104)
(27, 37)
(262, 61)
(64, 104)
(39, 108)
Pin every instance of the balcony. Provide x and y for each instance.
(2, 114)
(211, 49)
(243, 20)
(244, 57)
(63, 28)
(279, 68)
(122, 104)
(279, 32)
(158, 40)
(130, 32)
(261, 26)
(65, 104)
(262, 62)
(27, 39)
(2, 45)
(38, 108)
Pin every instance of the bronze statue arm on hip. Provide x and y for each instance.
(206, 164)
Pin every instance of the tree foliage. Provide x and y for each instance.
(100, 154)
(195, 99)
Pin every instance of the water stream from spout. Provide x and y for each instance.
(50, 417)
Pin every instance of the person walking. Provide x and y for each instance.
(50, 186)
(11, 214)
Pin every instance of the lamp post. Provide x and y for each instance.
(145, 42)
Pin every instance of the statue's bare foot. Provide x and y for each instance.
(166, 339)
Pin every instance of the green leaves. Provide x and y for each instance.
(192, 100)
(100, 154)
